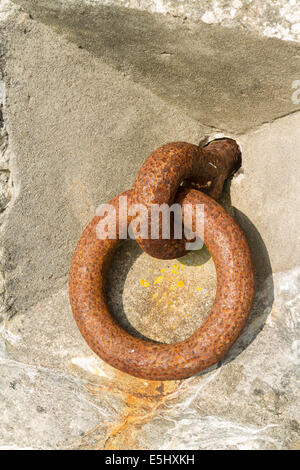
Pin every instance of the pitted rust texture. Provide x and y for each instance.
(172, 164)
(147, 359)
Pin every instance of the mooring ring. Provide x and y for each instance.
(148, 359)
(161, 174)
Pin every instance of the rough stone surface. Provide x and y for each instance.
(279, 18)
(255, 403)
(223, 79)
(73, 134)
(45, 409)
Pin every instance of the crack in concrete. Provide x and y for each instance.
(6, 183)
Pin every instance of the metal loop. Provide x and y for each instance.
(167, 167)
(147, 359)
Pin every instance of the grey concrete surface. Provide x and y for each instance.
(77, 138)
(266, 194)
(220, 78)
(75, 128)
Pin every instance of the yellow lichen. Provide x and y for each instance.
(158, 280)
(175, 269)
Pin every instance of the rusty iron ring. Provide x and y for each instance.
(148, 359)
(172, 164)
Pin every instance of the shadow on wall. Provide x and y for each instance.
(127, 253)
(264, 295)
(264, 289)
(223, 78)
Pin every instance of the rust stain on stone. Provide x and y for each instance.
(141, 404)
(142, 399)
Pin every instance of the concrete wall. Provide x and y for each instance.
(88, 90)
